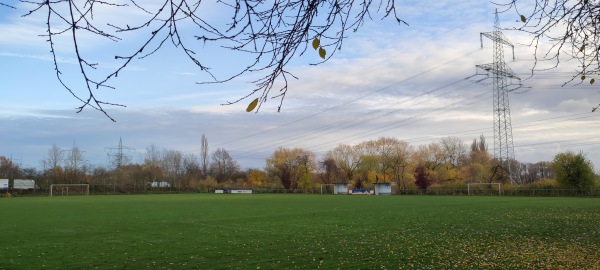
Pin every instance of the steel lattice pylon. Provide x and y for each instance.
(501, 74)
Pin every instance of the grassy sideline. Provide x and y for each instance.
(208, 231)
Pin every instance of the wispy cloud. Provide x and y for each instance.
(388, 80)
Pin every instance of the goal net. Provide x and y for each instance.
(69, 189)
(484, 189)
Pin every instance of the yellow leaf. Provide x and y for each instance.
(583, 77)
(523, 19)
(316, 42)
(252, 105)
(582, 48)
(322, 52)
(592, 81)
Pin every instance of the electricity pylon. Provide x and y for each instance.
(119, 159)
(501, 74)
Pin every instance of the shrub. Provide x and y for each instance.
(422, 179)
(574, 171)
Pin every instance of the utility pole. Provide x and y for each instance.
(119, 159)
(501, 74)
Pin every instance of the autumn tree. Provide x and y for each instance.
(422, 179)
(479, 166)
(383, 150)
(8, 169)
(131, 177)
(347, 158)
(329, 171)
(292, 167)
(431, 157)
(574, 170)
(257, 178)
(400, 163)
(367, 171)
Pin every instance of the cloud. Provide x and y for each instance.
(388, 80)
(41, 57)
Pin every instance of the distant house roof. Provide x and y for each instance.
(159, 184)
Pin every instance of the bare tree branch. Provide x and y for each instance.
(571, 28)
(7, 5)
(271, 32)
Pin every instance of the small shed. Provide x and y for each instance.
(3, 183)
(383, 188)
(340, 188)
(24, 184)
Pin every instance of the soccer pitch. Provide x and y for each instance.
(210, 231)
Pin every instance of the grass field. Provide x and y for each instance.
(208, 231)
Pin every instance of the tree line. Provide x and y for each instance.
(447, 162)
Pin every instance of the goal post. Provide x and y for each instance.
(485, 188)
(69, 190)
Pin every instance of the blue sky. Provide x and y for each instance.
(388, 80)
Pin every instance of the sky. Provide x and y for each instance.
(412, 82)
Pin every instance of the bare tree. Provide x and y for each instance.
(55, 157)
(271, 32)
(400, 159)
(74, 162)
(454, 150)
(153, 156)
(223, 166)
(204, 154)
(347, 158)
(152, 163)
(52, 162)
(191, 166)
(172, 166)
(572, 29)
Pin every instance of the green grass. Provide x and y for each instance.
(208, 231)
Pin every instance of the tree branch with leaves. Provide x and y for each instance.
(572, 30)
(271, 32)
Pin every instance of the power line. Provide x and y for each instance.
(348, 102)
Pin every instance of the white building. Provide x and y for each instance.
(23, 184)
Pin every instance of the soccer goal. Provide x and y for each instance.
(69, 189)
(484, 189)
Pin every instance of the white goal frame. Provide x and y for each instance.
(484, 184)
(332, 188)
(65, 189)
